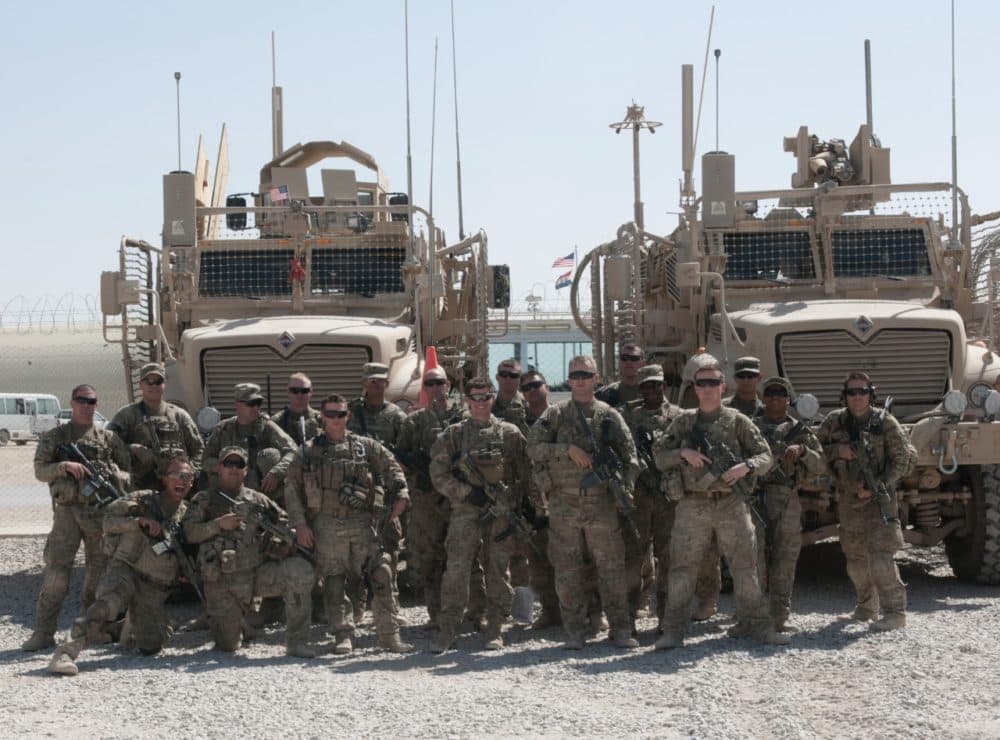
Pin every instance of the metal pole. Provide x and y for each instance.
(868, 86)
(458, 150)
(635, 176)
(718, 53)
(434, 92)
(177, 78)
(954, 139)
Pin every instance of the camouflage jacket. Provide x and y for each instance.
(288, 421)
(154, 558)
(382, 424)
(513, 410)
(495, 453)
(261, 435)
(417, 435)
(725, 426)
(893, 456)
(356, 466)
(617, 394)
(790, 475)
(103, 448)
(747, 408)
(646, 425)
(167, 432)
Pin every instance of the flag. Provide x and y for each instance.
(564, 280)
(278, 194)
(568, 261)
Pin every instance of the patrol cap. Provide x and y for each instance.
(374, 371)
(152, 368)
(779, 381)
(701, 361)
(651, 374)
(478, 383)
(247, 392)
(747, 365)
(233, 451)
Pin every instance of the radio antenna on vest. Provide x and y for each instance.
(458, 151)
(177, 79)
(434, 92)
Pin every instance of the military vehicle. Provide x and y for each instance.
(844, 270)
(254, 286)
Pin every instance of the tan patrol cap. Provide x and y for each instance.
(233, 451)
(374, 371)
(651, 374)
(747, 365)
(779, 381)
(247, 392)
(152, 368)
(699, 362)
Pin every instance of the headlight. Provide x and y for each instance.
(978, 393)
(992, 403)
(954, 403)
(207, 418)
(806, 406)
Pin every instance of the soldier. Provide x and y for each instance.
(564, 443)
(509, 403)
(481, 466)
(746, 372)
(76, 515)
(797, 457)
(334, 494)
(155, 431)
(140, 533)
(269, 450)
(630, 359)
(241, 562)
(298, 415)
(654, 513)
(710, 505)
(870, 533)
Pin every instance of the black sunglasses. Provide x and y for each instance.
(856, 391)
(233, 463)
(776, 392)
(630, 358)
(708, 382)
(300, 391)
(255, 402)
(334, 414)
(508, 374)
(481, 397)
(158, 381)
(532, 386)
(85, 400)
(434, 381)
(745, 374)
(581, 375)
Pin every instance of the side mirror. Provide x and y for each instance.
(806, 406)
(117, 292)
(499, 286)
(236, 221)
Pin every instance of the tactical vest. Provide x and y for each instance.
(151, 558)
(337, 478)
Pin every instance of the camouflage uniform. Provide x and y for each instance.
(583, 520)
(513, 410)
(496, 450)
(166, 433)
(268, 448)
(338, 491)
(243, 566)
(618, 394)
(709, 508)
(139, 576)
(288, 421)
(868, 543)
(381, 424)
(75, 517)
(748, 408)
(778, 548)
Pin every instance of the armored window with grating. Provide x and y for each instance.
(357, 271)
(259, 272)
(760, 255)
(875, 252)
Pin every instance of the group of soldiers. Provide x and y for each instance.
(603, 503)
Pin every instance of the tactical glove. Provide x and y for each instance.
(477, 497)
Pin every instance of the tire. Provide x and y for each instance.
(976, 557)
(4, 437)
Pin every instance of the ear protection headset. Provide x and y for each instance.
(858, 375)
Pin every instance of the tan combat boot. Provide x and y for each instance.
(704, 610)
(669, 640)
(598, 623)
(574, 641)
(343, 645)
(623, 638)
(62, 665)
(299, 650)
(890, 621)
(858, 615)
(739, 630)
(771, 637)
(38, 641)
(391, 642)
(444, 640)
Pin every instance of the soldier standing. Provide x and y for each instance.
(509, 403)
(746, 373)
(371, 415)
(298, 416)
(140, 532)
(630, 359)
(797, 456)
(870, 534)
(334, 495)
(564, 443)
(710, 505)
(155, 431)
(241, 563)
(76, 515)
(481, 466)
(269, 450)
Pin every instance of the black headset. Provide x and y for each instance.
(858, 375)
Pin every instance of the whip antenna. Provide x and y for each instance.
(409, 156)
(704, 69)
(718, 53)
(434, 92)
(458, 151)
(277, 109)
(177, 78)
(954, 139)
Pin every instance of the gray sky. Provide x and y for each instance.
(89, 117)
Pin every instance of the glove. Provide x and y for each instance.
(539, 523)
(392, 534)
(477, 497)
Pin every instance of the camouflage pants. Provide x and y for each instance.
(426, 533)
(464, 543)
(232, 595)
(697, 519)
(70, 526)
(869, 546)
(582, 522)
(122, 588)
(779, 551)
(343, 548)
(653, 518)
(538, 572)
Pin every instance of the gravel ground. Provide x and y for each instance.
(933, 679)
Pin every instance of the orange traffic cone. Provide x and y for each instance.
(430, 362)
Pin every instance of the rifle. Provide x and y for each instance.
(516, 523)
(252, 458)
(97, 482)
(644, 448)
(722, 459)
(302, 445)
(865, 454)
(606, 467)
(256, 515)
(173, 541)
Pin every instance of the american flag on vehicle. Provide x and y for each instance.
(568, 261)
(278, 194)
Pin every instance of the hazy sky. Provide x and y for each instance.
(89, 120)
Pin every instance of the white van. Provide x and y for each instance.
(23, 416)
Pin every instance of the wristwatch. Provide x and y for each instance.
(750, 465)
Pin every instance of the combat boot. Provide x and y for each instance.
(391, 642)
(623, 638)
(544, 619)
(704, 610)
(890, 621)
(771, 637)
(444, 640)
(299, 650)
(39, 640)
(62, 665)
(669, 640)
(493, 639)
(574, 641)
(343, 645)
(739, 630)
(598, 623)
(858, 615)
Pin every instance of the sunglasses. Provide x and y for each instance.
(480, 397)
(746, 375)
(186, 477)
(651, 384)
(334, 414)
(255, 402)
(434, 381)
(856, 392)
(532, 386)
(508, 374)
(708, 382)
(234, 463)
(630, 358)
(775, 393)
(300, 391)
(86, 401)
(581, 375)
(158, 381)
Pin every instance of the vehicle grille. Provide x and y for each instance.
(331, 368)
(911, 365)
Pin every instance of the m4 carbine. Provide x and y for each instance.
(256, 516)
(865, 465)
(467, 470)
(99, 486)
(606, 467)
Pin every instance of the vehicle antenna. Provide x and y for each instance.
(718, 53)
(434, 92)
(177, 79)
(635, 119)
(277, 111)
(409, 155)
(868, 87)
(458, 151)
(704, 69)
(954, 139)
